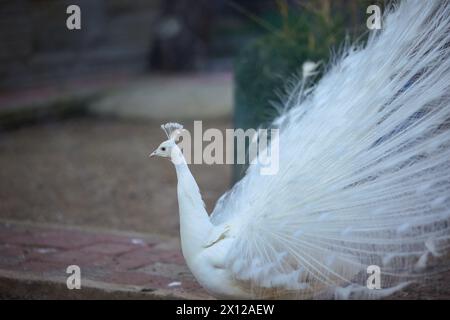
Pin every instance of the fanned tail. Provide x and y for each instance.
(364, 173)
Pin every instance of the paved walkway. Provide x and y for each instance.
(181, 96)
(114, 265)
(154, 96)
(34, 259)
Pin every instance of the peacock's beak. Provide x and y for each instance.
(152, 154)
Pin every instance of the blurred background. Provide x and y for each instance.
(80, 109)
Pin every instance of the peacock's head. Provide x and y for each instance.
(173, 131)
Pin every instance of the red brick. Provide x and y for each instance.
(11, 255)
(41, 268)
(6, 233)
(191, 285)
(11, 251)
(62, 238)
(137, 279)
(174, 272)
(188, 287)
(171, 256)
(19, 253)
(123, 240)
(166, 269)
(135, 259)
(37, 253)
(145, 256)
(103, 257)
(109, 248)
(80, 258)
(53, 238)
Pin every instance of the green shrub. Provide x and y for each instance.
(264, 65)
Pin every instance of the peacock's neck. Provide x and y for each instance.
(194, 220)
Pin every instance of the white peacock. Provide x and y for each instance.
(364, 177)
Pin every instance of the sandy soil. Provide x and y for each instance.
(96, 172)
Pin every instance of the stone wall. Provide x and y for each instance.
(36, 47)
(120, 36)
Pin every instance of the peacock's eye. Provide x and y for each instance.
(163, 148)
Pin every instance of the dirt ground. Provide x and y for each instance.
(96, 172)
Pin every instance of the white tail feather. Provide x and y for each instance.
(364, 169)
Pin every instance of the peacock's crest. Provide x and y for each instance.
(172, 129)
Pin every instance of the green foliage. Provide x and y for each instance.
(263, 66)
(295, 35)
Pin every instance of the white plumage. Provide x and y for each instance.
(364, 177)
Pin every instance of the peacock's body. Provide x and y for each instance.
(364, 177)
